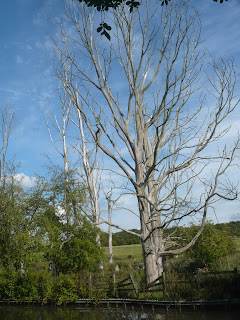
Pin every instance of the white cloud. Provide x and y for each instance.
(25, 180)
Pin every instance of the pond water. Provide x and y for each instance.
(79, 313)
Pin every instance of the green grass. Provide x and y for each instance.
(127, 253)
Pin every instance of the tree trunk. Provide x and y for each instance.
(152, 267)
(151, 243)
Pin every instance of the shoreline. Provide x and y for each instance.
(117, 302)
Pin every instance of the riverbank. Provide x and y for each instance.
(117, 302)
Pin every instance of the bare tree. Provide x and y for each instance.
(143, 103)
(7, 121)
(89, 169)
(61, 128)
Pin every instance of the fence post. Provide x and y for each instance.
(134, 285)
(114, 284)
(164, 282)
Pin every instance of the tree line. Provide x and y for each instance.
(232, 229)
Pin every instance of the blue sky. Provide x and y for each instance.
(27, 76)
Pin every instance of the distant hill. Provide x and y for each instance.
(123, 238)
(233, 227)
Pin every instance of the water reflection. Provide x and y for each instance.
(76, 313)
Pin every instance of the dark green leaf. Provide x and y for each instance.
(106, 34)
(106, 26)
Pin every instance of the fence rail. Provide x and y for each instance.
(161, 282)
(159, 285)
(127, 284)
(116, 287)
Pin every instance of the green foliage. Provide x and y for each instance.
(181, 286)
(232, 228)
(16, 240)
(34, 286)
(125, 238)
(211, 246)
(218, 287)
(67, 238)
(26, 287)
(80, 253)
(121, 238)
(34, 234)
(8, 283)
(65, 290)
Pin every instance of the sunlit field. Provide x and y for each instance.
(129, 253)
(125, 253)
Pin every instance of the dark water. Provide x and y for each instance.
(77, 313)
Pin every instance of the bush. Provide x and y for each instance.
(212, 245)
(28, 287)
(65, 289)
(79, 254)
(8, 283)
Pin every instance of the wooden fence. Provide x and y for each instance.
(163, 281)
(127, 284)
(118, 287)
(114, 286)
(200, 274)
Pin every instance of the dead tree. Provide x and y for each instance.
(154, 125)
(61, 126)
(6, 126)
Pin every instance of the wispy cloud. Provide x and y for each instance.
(19, 59)
(42, 16)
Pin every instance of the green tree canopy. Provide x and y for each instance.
(16, 238)
(67, 248)
(78, 254)
(212, 245)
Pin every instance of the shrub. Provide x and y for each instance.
(65, 289)
(212, 245)
(8, 283)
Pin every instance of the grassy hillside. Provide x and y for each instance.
(125, 253)
(129, 253)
